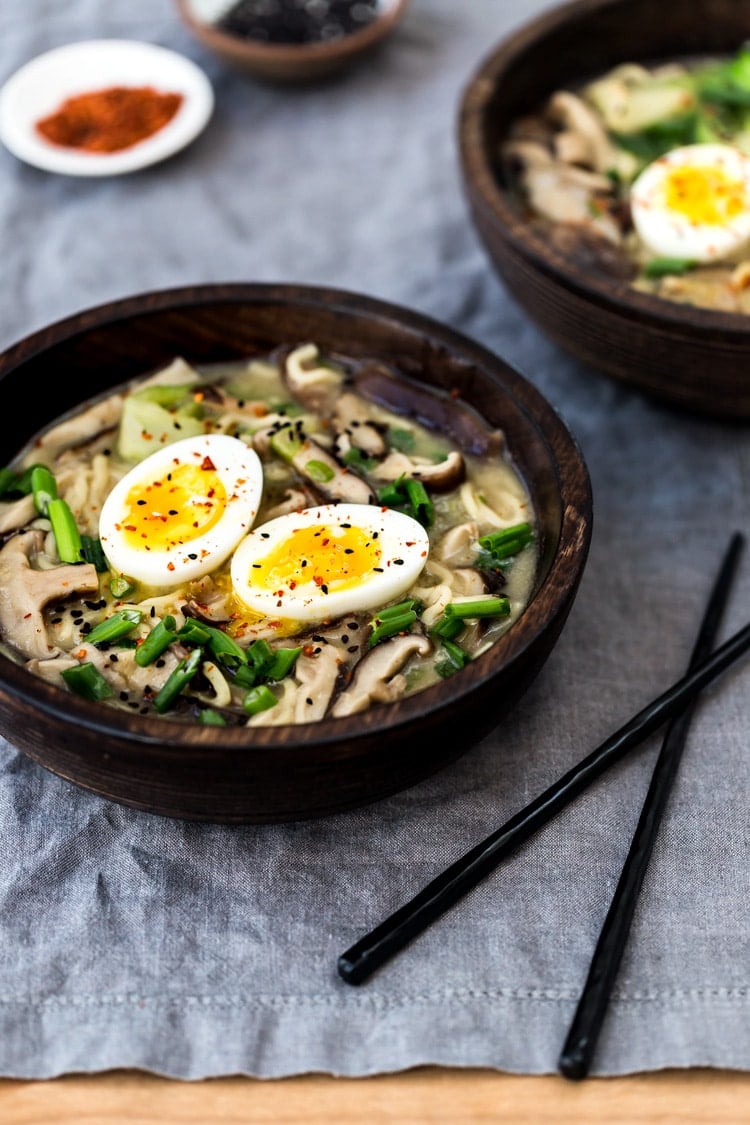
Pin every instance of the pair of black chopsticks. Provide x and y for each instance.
(675, 706)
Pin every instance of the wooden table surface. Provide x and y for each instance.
(415, 1097)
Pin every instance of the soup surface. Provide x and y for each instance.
(275, 541)
(643, 175)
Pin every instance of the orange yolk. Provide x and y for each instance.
(704, 194)
(339, 557)
(173, 509)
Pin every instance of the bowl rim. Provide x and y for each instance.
(290, 53)
(559, 583)
(483, 187)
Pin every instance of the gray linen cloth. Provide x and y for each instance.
(129, 940)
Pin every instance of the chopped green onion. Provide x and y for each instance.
(382, 629)
(402, 440)
(8, 482)
(211, 718)
(87, 681)
(158, 640)
(121, 587)
(508, 541)
(447, 628)
(397, 610)
(409, 496)
(487, 606)
(284, 660)
(286, 442)
(259, 699)
(664, 267)
(44, 488)
(319, 471)
(260, 656)
(178, 679)
(114, 627)
(457, 658)
(225, 648)
(65, 531)
(355, 459)
(194, 633)
(92, 553)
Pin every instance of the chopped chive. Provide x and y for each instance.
(158, 640)
(114, 627)
(286, 442)
(194, 633)
(488, 606)
(8, 482)
(664, 267)
(420, 505)
(507, 541)
(355, 459)
(211, 718)
(447, 628)
(260, 657)
(178, 679)
(396, 610)
(259, 699)
(245, 676)
(224, 648)
(121, 587)
(319, 471)
(91, 547)
(87, 681)
(457, 658)
(284, 660)
(410, 496)
(65, 531)
(43, 487)
(402, 440)
(391, 626)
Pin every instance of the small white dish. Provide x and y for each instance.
(39, 88)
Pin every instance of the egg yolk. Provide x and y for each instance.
(704, 194)
(175, 508)
(339, 557)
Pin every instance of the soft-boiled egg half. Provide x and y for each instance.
(180, 512)
(693, 203)
(320, 563)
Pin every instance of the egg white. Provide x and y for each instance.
(323, 562)
(674, 219)
(131, 530)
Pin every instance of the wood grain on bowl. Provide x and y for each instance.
(271, 774)
(690, 358)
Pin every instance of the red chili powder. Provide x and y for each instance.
(111, 119)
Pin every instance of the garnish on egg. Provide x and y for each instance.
(325, 561)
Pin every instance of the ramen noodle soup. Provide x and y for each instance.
(643, 175)
(274, 541)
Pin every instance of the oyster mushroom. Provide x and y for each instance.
(81, 428)
(15, 514)
(309, 381)
(376, 677)
(319, 468)
(24, 592)
(354, 427)
(438, 411)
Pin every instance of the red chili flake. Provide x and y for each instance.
(318, 580)
(128, 527)
(170, 566)
(208, 464)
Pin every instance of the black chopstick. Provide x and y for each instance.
(358, 962)
(580, 1044)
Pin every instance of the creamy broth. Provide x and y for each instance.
(150, 610)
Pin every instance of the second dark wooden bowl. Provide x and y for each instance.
(690, 358)
(273, 774)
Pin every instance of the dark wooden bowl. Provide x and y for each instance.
(691, 358)
(296, 63)
(278, 774)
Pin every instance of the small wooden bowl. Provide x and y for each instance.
(270, 774)
(280, 62)
(691, 358)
